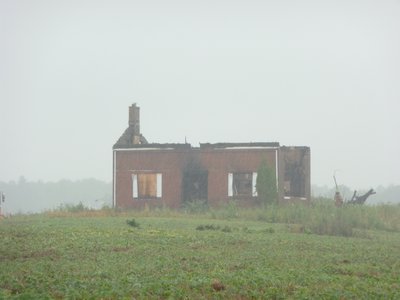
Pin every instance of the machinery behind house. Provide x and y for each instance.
(354, 199)
(360, 199)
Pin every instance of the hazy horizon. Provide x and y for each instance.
(318, 74)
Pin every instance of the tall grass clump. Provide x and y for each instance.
(288, 213)
(322, 217)
(195, 207)
(73, 208)
(335, 222)
(227, 211)
(81, 210)
(389, 214)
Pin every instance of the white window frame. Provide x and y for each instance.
(230, 184)
(159, 185)
(135, 186)
(135, 189)
(253, 183)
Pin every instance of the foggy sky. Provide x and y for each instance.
(323, 74)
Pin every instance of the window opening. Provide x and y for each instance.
(147, 185)
(242, 184)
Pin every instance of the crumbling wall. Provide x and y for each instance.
(296, 168)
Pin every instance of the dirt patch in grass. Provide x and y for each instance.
(49, 254)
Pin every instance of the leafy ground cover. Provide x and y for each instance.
(229, 254)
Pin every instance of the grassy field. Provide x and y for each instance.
(277, 253)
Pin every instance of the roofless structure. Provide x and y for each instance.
(169, 175)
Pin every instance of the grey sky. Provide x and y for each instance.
(324, 74)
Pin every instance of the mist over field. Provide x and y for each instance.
(24, 196)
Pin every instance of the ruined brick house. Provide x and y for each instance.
(170, 174)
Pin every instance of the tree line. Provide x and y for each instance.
(25, 196)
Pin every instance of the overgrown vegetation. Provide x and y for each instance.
(236, 254)
(320, 217)
(67, 207)
(266, 184)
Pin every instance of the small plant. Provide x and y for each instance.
(226, 229)
(208, 227)
(133, 223)
(200, 227)
(217, 285)
(269, 230)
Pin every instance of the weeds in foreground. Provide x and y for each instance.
(214, 227)
(320, 217)
(102, 258)
(73, 207)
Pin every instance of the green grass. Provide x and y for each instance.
(229, 253)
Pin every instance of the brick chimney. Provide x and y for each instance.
(134, 116)
(131, 135)
(134, 122)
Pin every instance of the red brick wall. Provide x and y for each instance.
(167, 162)
(218, 162)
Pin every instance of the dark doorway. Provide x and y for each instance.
(195, 185)
(194, 182)
(294, 180)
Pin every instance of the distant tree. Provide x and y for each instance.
(266, 184)
(22, 180)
